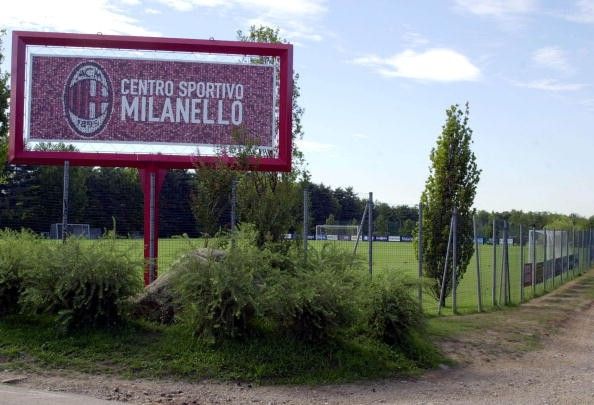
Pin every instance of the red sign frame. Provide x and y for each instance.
(19, 155)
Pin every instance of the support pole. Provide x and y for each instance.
(507, 277)
(533, 262)
(589, 249)
(521, 266)
(494, 286)
(445, 270)
(567, 254)
(65, 200)
(454, 259)
(370, 233)
(360, 230)
(151, 179)
(504, 282)
(478, 266)
(305, 222)
(561, 257)
(573, 261)
(420, 258)
(544, 264)
(233, 205)
(554, 257)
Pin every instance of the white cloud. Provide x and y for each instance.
(360, 135)
(552, 57)
(187, 5)
(437, 64)
(131, 2)
(296, 18)
(584, 13)
(551, 85)
(152, 11)
(497, 8)
(284, 8)
(313, 146)
(414, 39)
(60, 15)
(588, 104)
(293, 31)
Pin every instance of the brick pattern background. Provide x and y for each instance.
(49, 122)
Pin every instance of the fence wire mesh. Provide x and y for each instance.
(511, 263)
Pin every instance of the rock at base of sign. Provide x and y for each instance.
(156, 303)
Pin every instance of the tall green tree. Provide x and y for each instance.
(269, 200)
(452, 183)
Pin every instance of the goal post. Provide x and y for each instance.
(337, 232)
(80, 230)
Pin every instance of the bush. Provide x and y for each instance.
(319, 297)
(218, 297)
(393, 313)
(17, 257)
(87, 284)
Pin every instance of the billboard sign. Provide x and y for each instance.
(117, 104)
(76, 99)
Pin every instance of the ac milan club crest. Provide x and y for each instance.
(88, 99)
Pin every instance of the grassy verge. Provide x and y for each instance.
(143, 350)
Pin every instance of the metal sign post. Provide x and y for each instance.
(151, 179)
(65, 200)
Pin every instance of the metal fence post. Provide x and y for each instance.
(305, 222)
(554, 266)
(494, 286)
(370, 233)
(544, 264)
(562, 258)
(504, 285)
(533, 262)
(420, 248)
(478, 266)
(454, 259)
(567, 253)
(233, 204)
(65, 200)
(521, 266)
(573, 261)
(152, 233)
(579, 254)
(589, 249)
(445, 270)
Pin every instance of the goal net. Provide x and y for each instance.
(337, 232)
(555, 242)
(80, 230)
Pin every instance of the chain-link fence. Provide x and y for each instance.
(511, 262)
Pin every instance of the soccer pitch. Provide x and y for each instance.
(399, 257)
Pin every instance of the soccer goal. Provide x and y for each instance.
(556, 243)
(337, 232)
(80, 230)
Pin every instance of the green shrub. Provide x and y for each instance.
(17, 257)
(393, 313)
(219, 297)
(320, 296)
(86, 283)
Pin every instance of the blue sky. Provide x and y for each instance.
(377, 76)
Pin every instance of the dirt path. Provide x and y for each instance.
(496, 369)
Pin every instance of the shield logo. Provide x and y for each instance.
(88, 99)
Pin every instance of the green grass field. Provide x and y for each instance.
(399, 257)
